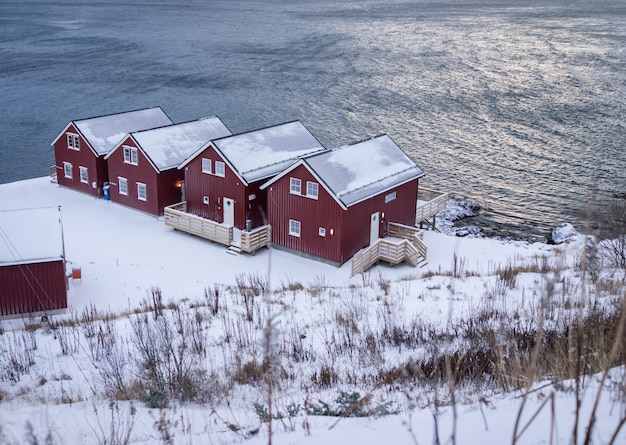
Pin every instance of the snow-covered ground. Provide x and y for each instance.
(123, 254)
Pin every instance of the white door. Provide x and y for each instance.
(374, 226)
(229, 212)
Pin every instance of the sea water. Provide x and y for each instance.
(519, 107)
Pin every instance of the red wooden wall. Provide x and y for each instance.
(85, 157)
(324, 212)
(347, 231)
(35, 287)
(199, 184)
(162, 189)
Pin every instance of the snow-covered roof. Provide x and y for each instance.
(105, 132)
(169, 146)
(263, 153)
(358, 171)
(30, 235)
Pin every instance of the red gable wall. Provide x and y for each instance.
(323, 212)
(162, 188)
(216, 188)
(347, 231)
(85, 157)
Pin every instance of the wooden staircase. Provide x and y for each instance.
(404, 243)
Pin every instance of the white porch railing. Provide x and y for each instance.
(403, 244)
(429, 203)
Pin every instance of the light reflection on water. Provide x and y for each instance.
(519, 108)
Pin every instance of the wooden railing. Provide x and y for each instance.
(177, 217)
(53, 173)
(430, 202)
(366, 258)
(255, 239)
(403, 244)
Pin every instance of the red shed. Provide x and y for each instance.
(334, 203)
(79, 150)
(223, 179)
(143, 169)
(32, 264)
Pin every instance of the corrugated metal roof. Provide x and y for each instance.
(358, 171)
(30, 235)
(263, 153)
(168, 147)
(105, 132)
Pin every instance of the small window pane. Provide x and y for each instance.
(311, 189)
(84, 176)
(294, 227)
(390, 197)
(206, 165)
(220, 168)
(67, 170)
(141, 192)
(322, 231)
(295, 186)
(130, 155)
(123, 186)
(73, 141)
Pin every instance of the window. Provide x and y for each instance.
(84, 176)
(295, 186)
(206, 165)
(322, 231)
(141, 191)
(123, 186)
(73, 141)
(294, 227)
(205, 199)
(67, 170)
(390, 197)
(311, 189)
(220, 169)
(130, 155)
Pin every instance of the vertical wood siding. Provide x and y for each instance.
(85, 157)
(199, 184)
(35, 287)
(323, 212)
(350, 228)
(161, 188)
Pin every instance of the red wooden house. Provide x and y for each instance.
(79, 150)
(32, 264)
(143, 169)
(223, 179)
(332, 204)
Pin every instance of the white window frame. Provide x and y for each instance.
(295, 186)
(130, 155)
(142, 187)
(84, 175)
(294, 228)
(390, 197)
(206, 166)
(73, 141)
(122, 186)
(205, 199)
(68, 170)
(322, 231)
(312, 189)
(220, 169)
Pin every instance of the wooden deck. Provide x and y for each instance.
(404, 243)
(176, 216)
(429, 203)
